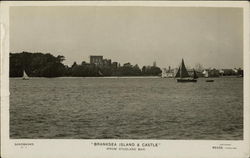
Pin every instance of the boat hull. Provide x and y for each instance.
(186, 80)
(209, 80)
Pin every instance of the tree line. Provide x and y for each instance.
(47, 65)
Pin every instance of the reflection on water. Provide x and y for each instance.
(126, 108)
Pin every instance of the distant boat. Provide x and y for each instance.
(195, 76)
(183, 76)
(209, 80)
(25, 76)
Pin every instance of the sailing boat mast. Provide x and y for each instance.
(182, 62)
(25, 76)
(183, 70)
(183, 74)
(195, 74)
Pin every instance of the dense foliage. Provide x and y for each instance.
(36, 65)
(47, 65)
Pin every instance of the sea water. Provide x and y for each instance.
(126, 108)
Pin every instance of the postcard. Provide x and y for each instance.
(141, 79)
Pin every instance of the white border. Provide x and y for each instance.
(51, 148)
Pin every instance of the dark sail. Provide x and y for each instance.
(183, 70)
(178, 73)
(195, 75)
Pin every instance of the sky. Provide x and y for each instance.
(212, 37)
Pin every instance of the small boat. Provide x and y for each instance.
(195, 76)
(183, 76)
(25, 76)
(209, 80)
(186, 80)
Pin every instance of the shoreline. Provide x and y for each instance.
(122, 77)
(91, 77)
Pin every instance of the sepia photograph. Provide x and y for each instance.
(126, 73)
(137, 78)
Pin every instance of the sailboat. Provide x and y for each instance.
(183, 76)
(195, 76)
(25, 76)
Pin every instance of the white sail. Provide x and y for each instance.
(25, 76)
